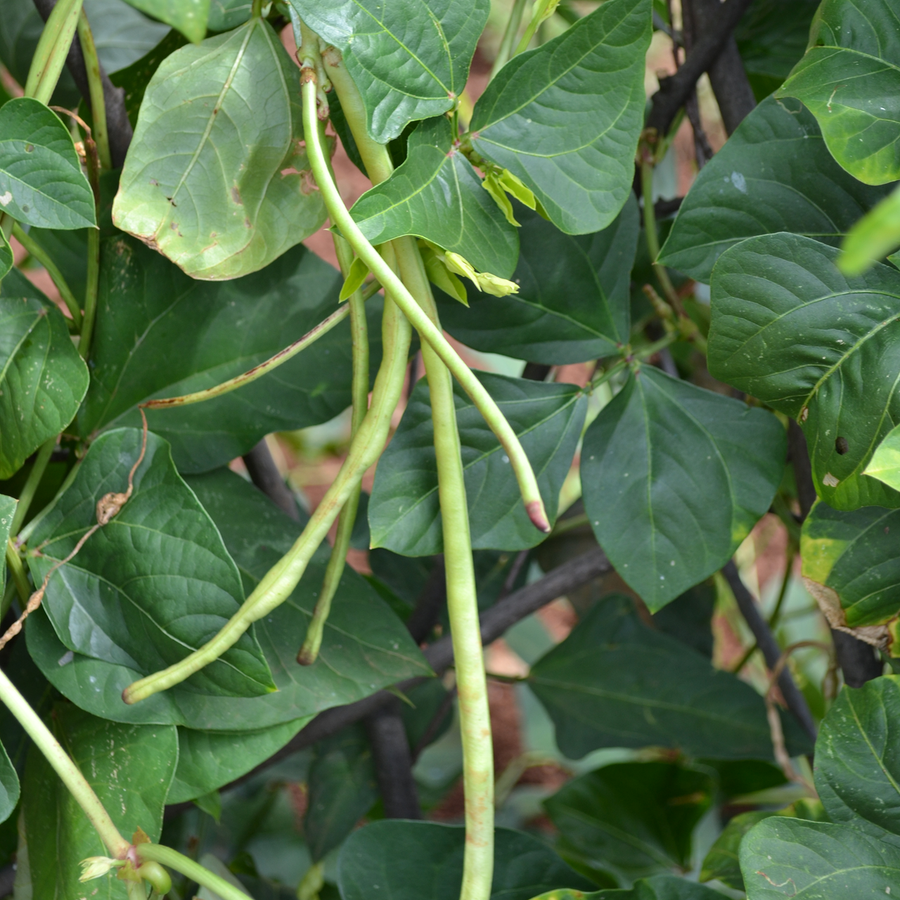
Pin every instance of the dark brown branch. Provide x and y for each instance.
(429, 603)
(494, 622)
(265, 475)
(117, 123)
(674, 91)
(393, 762)
(7, 880)
(795, 701)
(727, 76)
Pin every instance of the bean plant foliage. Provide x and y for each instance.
(200, 697)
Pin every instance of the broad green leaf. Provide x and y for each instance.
(41, 182)
(188, 16)
(216, 177)
(129, 767)
(885, 462)
(789, 328)
(404, 512)
(774, 174)
(207, 760)
(42, 377)
(365, 646)
(873, 236)
(573, 299)
(162, 334)
(771, 37)
(632, 819)
(227, 14)
(669, 513)
(569, 114)
(611, 684)
(437, 195)
(849, 79)
(811, 860)
(153, 584)
(660, 887)
(409, 58)
(851, 565)
(858, 758)
(342, 788)
(414, 860)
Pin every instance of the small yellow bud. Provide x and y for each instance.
(95, 866)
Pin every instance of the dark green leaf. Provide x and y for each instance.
(774, 174)
(437, 195)
(633, 819)
(227, 14)
(789, 328)
(342, 788)
(122, 35)
(162, 334)
(771, 37)
(42, 377)
(365, 647)
(611, 684)
(660, 887)
(41, 182)
(216, 176)
(858, 758)
(669, 513)
(569, 114)
(409, 58)
(128, 766)
(414, 860)
(689, 618)
(572, 304)
(816, 861)
(847, 79)
(153, 584)
(207, 760)
(722, 862)
(404, 512)
(850, 562)
(188, 16)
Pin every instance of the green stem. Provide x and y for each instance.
(273, 362)
(20, 579)
(31, 484)
(99, 131)
(278, 583)
(41, 255)
(90, 292)
(475, 725)
(8, 594)
(172, 859)
(52, 50)
(462, 602)
(652, 234)
(360, 399)
(504, 52)
(71, 777)
(429, 332)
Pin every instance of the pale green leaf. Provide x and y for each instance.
(217, 177)
(188, 16)
(873, 237)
